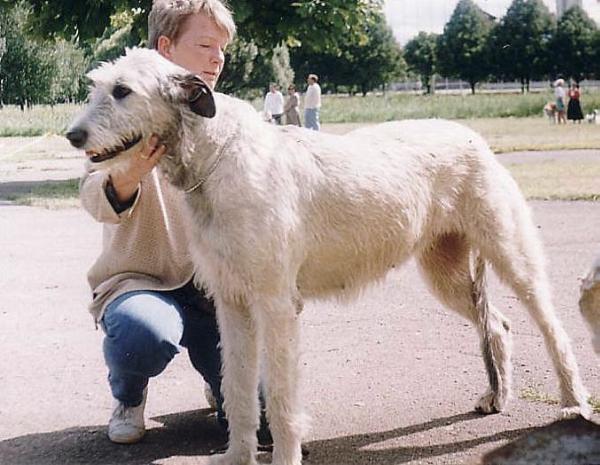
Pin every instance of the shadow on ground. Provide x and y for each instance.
(195, 434)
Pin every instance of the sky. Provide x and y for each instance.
(408, 17)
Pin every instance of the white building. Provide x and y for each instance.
(564, 5)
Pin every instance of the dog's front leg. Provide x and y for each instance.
(280, 331)
(239, 352)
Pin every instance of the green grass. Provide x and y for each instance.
(558, 180)
(37, 121)
(531, 394)
(392, 106)
(373, 108)
(486, 113)
(534, 133)
(539, 180)
(518, 134)
(52, 195)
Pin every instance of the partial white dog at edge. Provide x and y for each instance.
(589, 302)
(278, 215)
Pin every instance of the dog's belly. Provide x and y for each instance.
(337, 271)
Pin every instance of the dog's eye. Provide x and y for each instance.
(120, 91)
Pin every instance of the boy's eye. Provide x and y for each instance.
(120, 91)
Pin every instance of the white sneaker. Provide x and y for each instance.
(126, 425)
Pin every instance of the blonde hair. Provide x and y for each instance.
(314, 77)
(167, 17)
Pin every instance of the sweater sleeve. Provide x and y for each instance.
(96, 201)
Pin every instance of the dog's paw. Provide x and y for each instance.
(490, 402)
(229, 458)
(584, 410)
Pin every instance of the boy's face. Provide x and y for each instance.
(199, 48)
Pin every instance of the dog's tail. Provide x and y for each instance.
(480, 300)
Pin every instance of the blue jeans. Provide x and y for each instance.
(146, 329)
(311, 118)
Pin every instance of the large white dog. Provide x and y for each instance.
(278, 215)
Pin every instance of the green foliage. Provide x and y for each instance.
(420, 54)
(462, 46)
(364, 66)
(596, 57)
(520, 43)
(36, 72)
(283, 74)
(68, 63)
(376, 62)
(573, 44)
(316, 24)
(240, 59)
(25, 67)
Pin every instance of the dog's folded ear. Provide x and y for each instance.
(197, 95)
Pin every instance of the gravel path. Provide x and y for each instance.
(389, 379)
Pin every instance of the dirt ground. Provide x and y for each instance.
(389, 379)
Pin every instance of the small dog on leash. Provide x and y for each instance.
(593, 117)
(550, 111)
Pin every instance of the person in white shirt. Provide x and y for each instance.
(559, 95)
(274, 104)
(312, 103)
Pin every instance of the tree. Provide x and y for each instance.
(520, 43)
(573, 45)
(462, 46)
(596, 57)
(36, 72)
(420, 55)
(25, 70)
(68, 62)
(316, 24)
(283, 74)
(376, 62)
(240, 60)
(363, 65)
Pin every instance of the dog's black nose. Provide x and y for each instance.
(77, 137)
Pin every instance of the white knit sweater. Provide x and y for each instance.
(144, 247)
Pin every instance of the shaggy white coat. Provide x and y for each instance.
(287, 214)
(589, 302)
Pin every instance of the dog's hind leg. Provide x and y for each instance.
(508, 240)
(446, 266)
(279, 330)
(239, 352)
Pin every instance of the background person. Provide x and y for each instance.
(559, 96)
(312, 103)
(574, 111)
(292, 113)
(274, 104)
(143, 295)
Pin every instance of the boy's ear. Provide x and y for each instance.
(196, 94)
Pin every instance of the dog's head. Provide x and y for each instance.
(139, 94)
